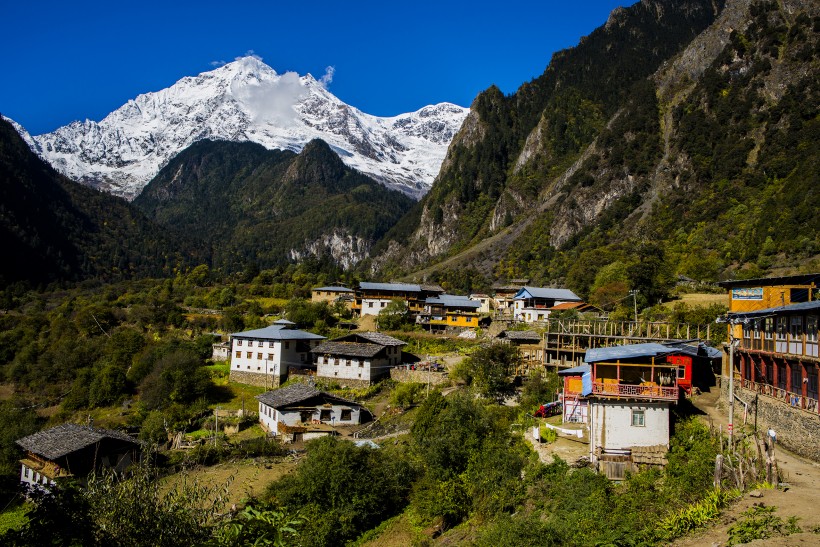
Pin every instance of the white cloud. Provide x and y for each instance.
(328, 77)
(272, 101)
(217, 64)
(250, 53)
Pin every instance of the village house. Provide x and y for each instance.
(264, 357)
(300, 412)
(532, 304)
(773, 324)
(484, 300)
(332, 294)
(577, 386)
(503, 298)
(447, 310)
(371, 298)
(72, 450)
(220, 351)
(358, 358)
(630, 392)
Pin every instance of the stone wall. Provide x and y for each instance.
(254, 379)
(344, 382)
(403, 375)
(797, 429)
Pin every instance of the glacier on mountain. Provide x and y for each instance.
(246, 100)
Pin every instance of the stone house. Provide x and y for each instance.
(264, 357)
(358, 359)
(300, 412)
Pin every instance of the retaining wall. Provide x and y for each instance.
(418, 376)
(254, 379)
(797, 429)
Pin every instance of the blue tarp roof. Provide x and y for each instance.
(574, 371)
(651, 349)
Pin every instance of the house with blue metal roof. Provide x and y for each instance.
(532, 304)
(630, 391)
(264, 357)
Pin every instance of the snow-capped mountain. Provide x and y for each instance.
(246, 100)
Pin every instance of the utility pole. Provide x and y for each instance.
(635, 303)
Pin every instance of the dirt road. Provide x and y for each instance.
(800, 496)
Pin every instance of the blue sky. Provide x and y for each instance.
(65, 61)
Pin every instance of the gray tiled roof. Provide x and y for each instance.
(67, 438)
(379, 338)
(521, 335)
(398, 287)
(332, 289)
(453, 301)
(351, 349)
(295, 393)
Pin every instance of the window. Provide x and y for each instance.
(270, 344)
(325, 414)
(384, 304)
(347, 415)
(681, 372)
(370, 304)
(347, 362)
(238, 354)
(259, 355)
(249, 354)
(239, 342)
(361, 364)
(287, 345)
(638, 418)
(270, 357)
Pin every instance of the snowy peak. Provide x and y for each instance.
(246, 100)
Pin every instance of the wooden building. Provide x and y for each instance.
(72, 450)
(447, 310)
(371, 298)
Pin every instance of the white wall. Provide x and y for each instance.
(278, 354)
(270, 350)
(372, 306)
(270, 417)
(338, 368)
(33, 478)
(611, 424)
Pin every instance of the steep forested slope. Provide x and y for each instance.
(54, 229)
(254, 206)
(678, 136)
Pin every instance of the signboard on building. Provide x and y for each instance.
(755, 293)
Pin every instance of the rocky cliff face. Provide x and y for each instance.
(621, 139)
(242, 101)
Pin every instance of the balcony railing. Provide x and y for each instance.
(796, 400)
(635, 391)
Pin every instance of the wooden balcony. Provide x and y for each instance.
(648, 391)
